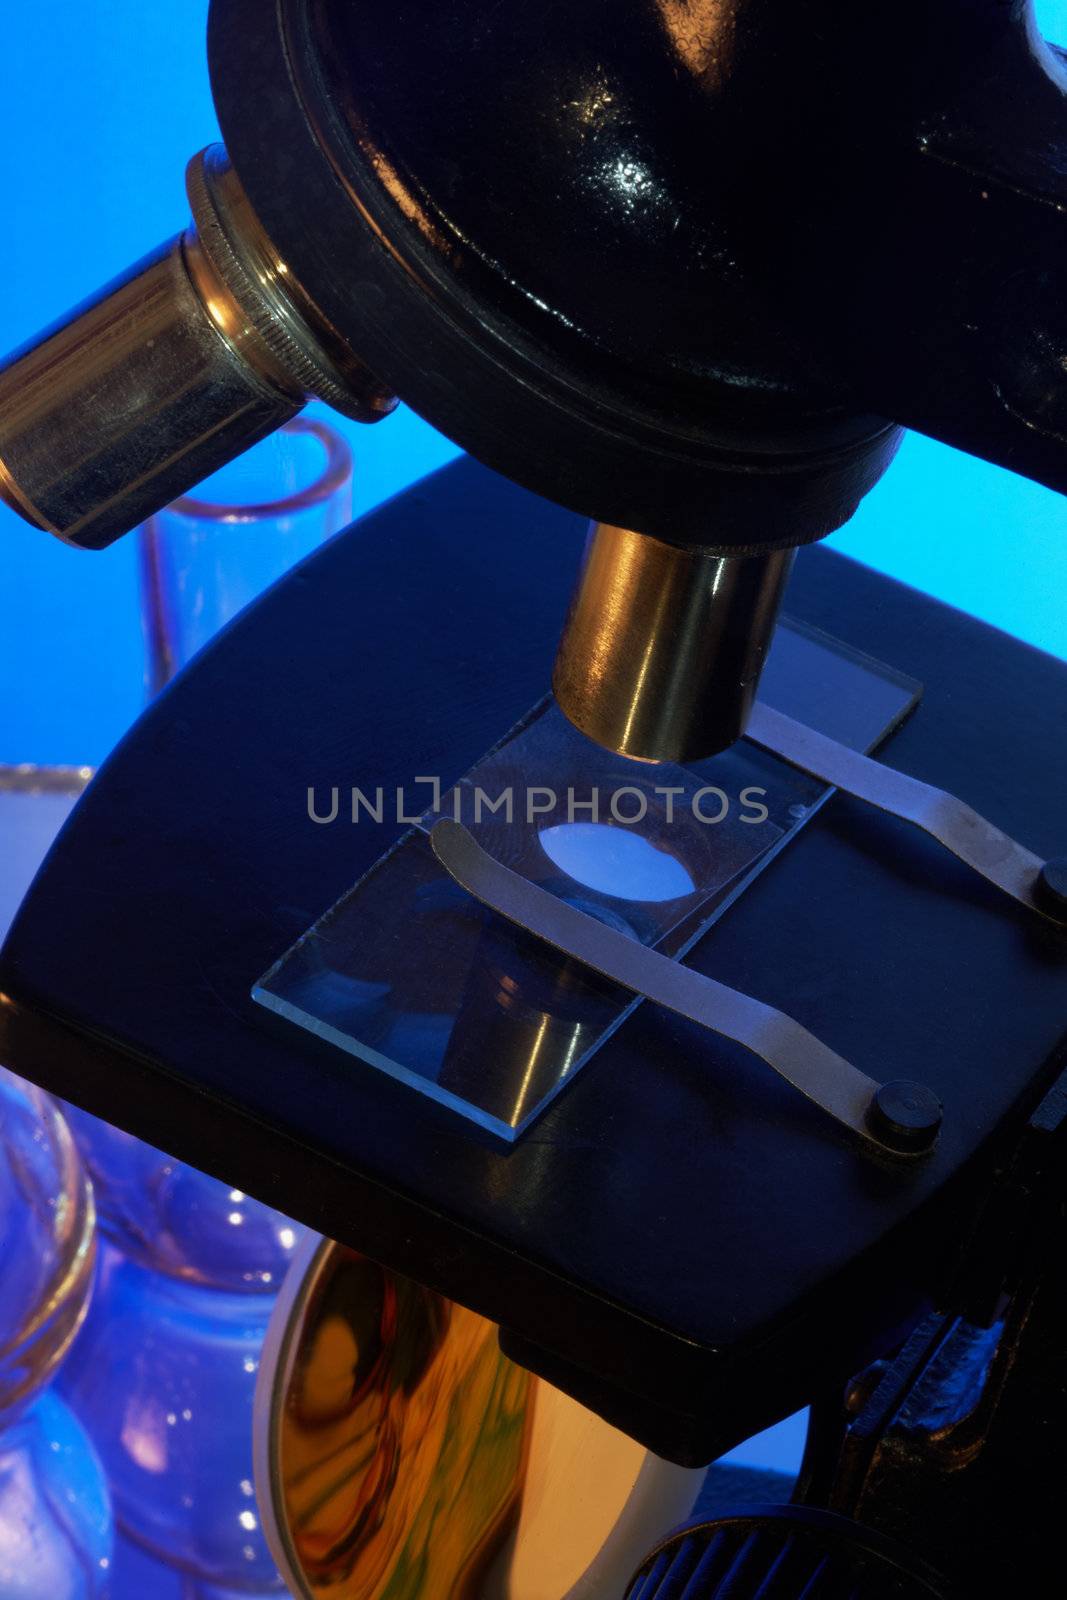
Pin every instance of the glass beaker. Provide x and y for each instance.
(206, 556)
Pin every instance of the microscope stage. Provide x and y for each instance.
(680, 1240)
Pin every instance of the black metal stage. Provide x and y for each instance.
(681, 1240)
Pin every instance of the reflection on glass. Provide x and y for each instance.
(412, 974)
(47, 1225)
(163, 1378)
(409, 973)
(55, 1514)
(166, 1215)
(163, 1375)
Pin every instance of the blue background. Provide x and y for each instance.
(100, 107)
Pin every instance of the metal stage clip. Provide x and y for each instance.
(900, 1118)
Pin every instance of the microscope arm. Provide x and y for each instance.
(943, 292)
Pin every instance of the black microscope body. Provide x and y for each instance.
(684, 268)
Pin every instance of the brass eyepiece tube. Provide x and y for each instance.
(203, 348)
(662, 651)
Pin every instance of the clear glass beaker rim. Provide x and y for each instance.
(335, 473)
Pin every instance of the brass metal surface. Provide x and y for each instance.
(129, 404)
(391, 1436)
(203, 348)
(308, 351)
(663, 648)
(13, 498)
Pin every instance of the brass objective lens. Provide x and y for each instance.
(663, 648)
(201, 349)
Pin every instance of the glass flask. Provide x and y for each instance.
(163, 1378)
(47, 1224)
(163, 1375)
(176, 1220)
(55, 1512)
(55, 1515)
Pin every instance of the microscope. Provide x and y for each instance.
(681, 271)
